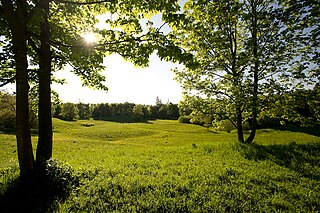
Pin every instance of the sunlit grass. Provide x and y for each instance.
(167, 166)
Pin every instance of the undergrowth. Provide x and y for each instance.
(49, 185)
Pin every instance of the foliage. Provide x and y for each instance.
(244, 49)
(184, 119)
(224, 125)
(41, 192)
(8, 113)
(137, 113)
(69, 112)
(299, 107)
(134, 112)
(84, 110)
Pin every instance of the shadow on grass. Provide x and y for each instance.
(40, 192)
(125, 119)
(315, 130)
(302, 158)
(34, 132)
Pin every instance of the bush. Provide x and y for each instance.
(223, 125)
(51, 183)
(185, 119)
(197, 121)
(7, 120)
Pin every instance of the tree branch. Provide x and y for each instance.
(33, 45)
(83, 3)
(6, 81)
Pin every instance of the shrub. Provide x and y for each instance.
(7, 120)
(51, 183)
(197, 121)
(223, 125)
(185, 119)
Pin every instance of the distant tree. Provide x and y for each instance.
(127, 109)
(8, 112)
(137, 113)
(57, 111)
(69, 112)
(83, 110)
(100, 111)
(158, 102)
(163, 112)
(172, 111)
(152, 111)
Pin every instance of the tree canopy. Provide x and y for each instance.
(245, 50)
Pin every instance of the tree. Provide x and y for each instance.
(84, 110)
(137, 113)
(14, 18)
(49, 32)
(69, 112)
(243, 48)
(214, 33)
(8, 112)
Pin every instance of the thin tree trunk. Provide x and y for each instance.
(16, 16)
(239, 124)
(44, 149)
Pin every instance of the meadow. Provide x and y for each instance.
(165, 166)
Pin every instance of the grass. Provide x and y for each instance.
(164, 166)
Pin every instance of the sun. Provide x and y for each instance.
(89, 37)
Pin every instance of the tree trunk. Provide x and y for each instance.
(16, 20)
(44, 149)
(25, 152)
(239, 124)
(255, 70)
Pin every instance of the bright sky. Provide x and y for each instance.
(126, 84)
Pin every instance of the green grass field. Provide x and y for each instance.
(164, 166)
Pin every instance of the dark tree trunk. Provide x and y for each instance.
(255, 70)
(16, 20)
(239, 124)
(25, 152)
(44, 149)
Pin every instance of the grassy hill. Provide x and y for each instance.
(164, 166)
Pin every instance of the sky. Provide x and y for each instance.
(126, 83)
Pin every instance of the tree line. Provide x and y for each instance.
(122, 112)
(119, 112)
